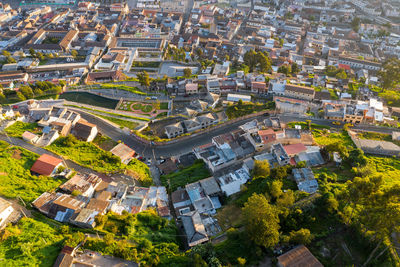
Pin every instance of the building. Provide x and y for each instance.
(46, 165)
(300, 256)
(30, 137)
(124, 152)
(236, 98)
(231, 183)
(191, 88)
(259, 87)
(299, 92)
(376, 147)
(305, 180)
(6, 210)
(194, 228)
(84, 130)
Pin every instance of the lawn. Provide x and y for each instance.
(324, 138)
(91, 156)
(186, 176)
(104, 142)
(304, 125)
(123, 123)
(142, 107)
(242, 109)
(90, 99)
(19, 127)
(15, 177)
(30, 243)
(110, 113)
(131, 89)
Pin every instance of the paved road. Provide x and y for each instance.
(186, 146)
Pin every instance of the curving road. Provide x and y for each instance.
(185, 146)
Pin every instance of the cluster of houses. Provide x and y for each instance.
(54, 121)
(85, 196)
(230, 158)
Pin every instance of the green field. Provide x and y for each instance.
(91, 156)
(89, 99)
(185, 176)
(15, 177)
(30, 243)
(19, 127)
(123, 123)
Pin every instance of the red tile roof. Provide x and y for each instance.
(267, 135)
(45, 164)
(295, 149)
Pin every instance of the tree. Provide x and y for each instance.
(355, 24)
(295, 68)
(6, 53)
(144, 78)
(261, 221)
(261, 169)
(20, 96)
(32, 52)
(259, 59)
(302, 236)
(74, 53)
(10, 60)
(285, 69)
(26, 91)
(341, 74)
(275, 189)
(286, 199)
(187, 72)
(389, 75)
(356, 158)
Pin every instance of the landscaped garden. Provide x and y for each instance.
(15, 177)
(145, 108)
(131, 89)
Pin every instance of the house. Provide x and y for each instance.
(98, 205)
(106, 76)
(191, 88)
(85, 218)
(181, 202)
(231, 183)
(299, 92)
(376, 147)
(258, 87)
(84, 130)
(46, 165)
(305, 180)
(63, 207)
(210, 186)
(300, 256)
(236, 98)
(290, 105)
(124, 152)
(213, 86)
(85, 185)
(194, 228)
(280, 154)
(6, 210)
(174, 130)
(295, 149)
(167, 167)
(30, 137)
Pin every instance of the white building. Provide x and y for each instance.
(5, 211)
(231, 183)
(237, 97)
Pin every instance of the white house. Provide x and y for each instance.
(5, 211)
(231, 182)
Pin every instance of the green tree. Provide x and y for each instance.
(144, 78)
(261, 169)
(32, 52)
(286, 199)
(20, 96)
(74, 53)
(285, 69)
(6, 53)
(261, 221)
(275, 189)
(389, 75)
(10, 60)
(295, 68)
(302, 236)
(187, 72)
(26, 91)
(355, 24)
(341, 74)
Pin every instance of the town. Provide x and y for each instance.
(200, 133)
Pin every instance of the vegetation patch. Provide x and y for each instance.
(123, 123)
(30, 243)
(186, 176)
(241, 109)
(19, 127)
(15, 177)
(91, 156)
(131, 89)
